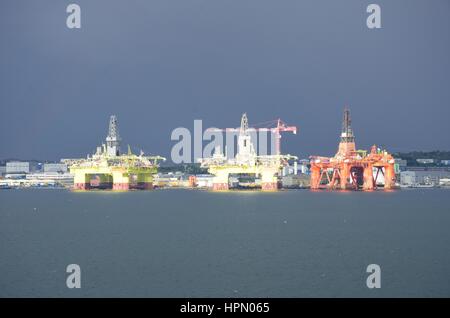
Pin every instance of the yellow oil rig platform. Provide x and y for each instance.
(246, 161)
(107, 168)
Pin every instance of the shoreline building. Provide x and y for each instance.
(416, 176)
(55, 168)
(20, 167)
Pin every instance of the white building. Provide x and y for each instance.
(204, 180)
(424, 177)
(408, 178)
(303, 166)
(288, 170)
(400, 164)
(295, 181)
(20, 167)
(54, 178)
(55, 167)
(425, 161)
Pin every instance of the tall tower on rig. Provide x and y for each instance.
(347, 144)
(245, 151)
(113, 138)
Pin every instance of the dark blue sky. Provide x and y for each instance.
(161, 64)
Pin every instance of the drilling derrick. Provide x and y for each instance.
(244, 124)
(113, 138)
(247, 161)
(351, 168)
(107, 168)
(245, 152)
(347, 144)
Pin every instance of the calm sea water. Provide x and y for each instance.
(182, 243)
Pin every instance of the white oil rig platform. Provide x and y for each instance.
(247, 161)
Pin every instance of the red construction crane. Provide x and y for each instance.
(281, 126)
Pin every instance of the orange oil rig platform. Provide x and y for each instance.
(352, 169)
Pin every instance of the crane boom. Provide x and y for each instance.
(281, 126)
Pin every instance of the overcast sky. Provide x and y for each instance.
(161, 64)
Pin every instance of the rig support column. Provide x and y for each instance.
(345, 176)
(315, 177)
(81, 181)
(220, 181)
(368, 178)
(389, 176)
(121, 181)
(269, 180)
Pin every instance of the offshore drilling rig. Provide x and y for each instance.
(246, 161)
(107, 168)
(351, 168)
